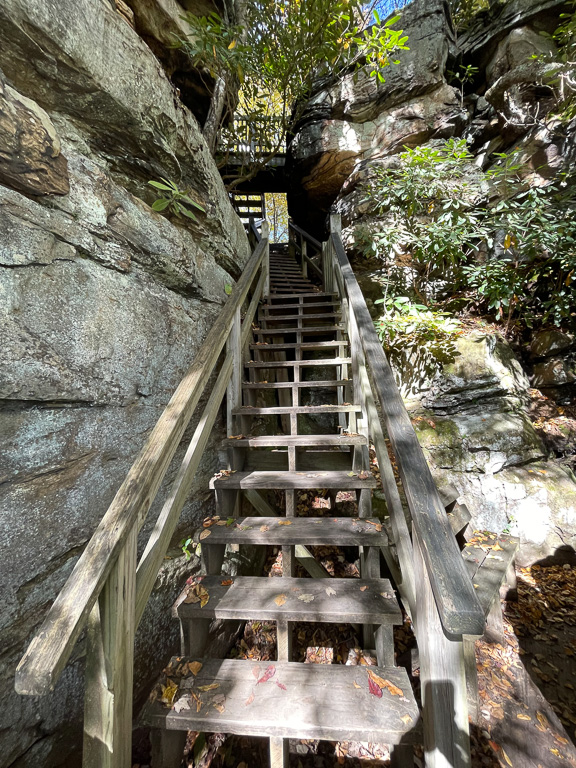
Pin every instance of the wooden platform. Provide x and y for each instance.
(304, 701)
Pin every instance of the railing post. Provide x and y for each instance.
(234, 391)
(442, 676)
(110, 666)
(265, 231)
(303, 255)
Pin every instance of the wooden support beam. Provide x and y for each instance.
(110, 665)
(443, 679)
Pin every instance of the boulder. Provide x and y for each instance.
(554, 372)
(30, 156)
(484, 368)
(517, 48)
(355, 118)
(551, 342)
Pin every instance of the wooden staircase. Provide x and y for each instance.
(299, 349)
(295, 357)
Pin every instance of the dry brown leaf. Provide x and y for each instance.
(169, 692)
(227, 582)
(280, 599)
(364, 588)
(505, 756)
(284, 522)
(194, 667)
(523, 717)
(205, 534)
(210, 687)
(249, 701)
(356, 685)
(264, 528)
(406, 719)
(382, 683)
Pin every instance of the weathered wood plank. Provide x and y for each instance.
(458, 605)
(288, 409)
(282, 296)
(110, 666)
(302, 530)
(312, 701)
(307, 329)
(298, 441)
(487, 562)
(301, 345)
(292, 480)
(300, 363)
(167, 521)
(327, 303)
(333, 601)
(443, 678)
(328, 383)
(48, 653)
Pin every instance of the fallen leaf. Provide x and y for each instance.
(247, 703)
(330, 592)
(210, 687)
(306, 598)
(205, 534)
(364, 588)
(356, 685)
(374, 689)
(256, 672)
(280, 599)
(168, 692)
(523, 717)
(218, 702)
(406, 719)
(198, 701)
(270, 672)
(264, 528)
(364, 475)
(182, 703)
(380, 681)
(221, 522)
(227, 582)
(284, 522)
(194, 667)
(505, 756)
(280, 685)
(542, 719)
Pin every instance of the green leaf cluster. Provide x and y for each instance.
(174, 200)
(454, 236)
(282, 46)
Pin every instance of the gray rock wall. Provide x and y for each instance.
(472, 415)
(103, 305)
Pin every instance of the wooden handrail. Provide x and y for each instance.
(50, 649)
(316, 243)
(457, 603)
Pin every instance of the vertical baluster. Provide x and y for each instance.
(110, 665)
(265, 232)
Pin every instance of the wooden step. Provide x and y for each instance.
(487, 558)
(361, 601)
(316, 531)
(319, 384)
(298, 701)
(300, 316)
(292, 306)
(299, 363)
(286, 410)
(301, 345)
(306, 329)
(283, 296)
(292, 480)
(296, 441)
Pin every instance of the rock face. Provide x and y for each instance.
(472, 414)
(103, 305)
(348, 124)
(473, 424)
